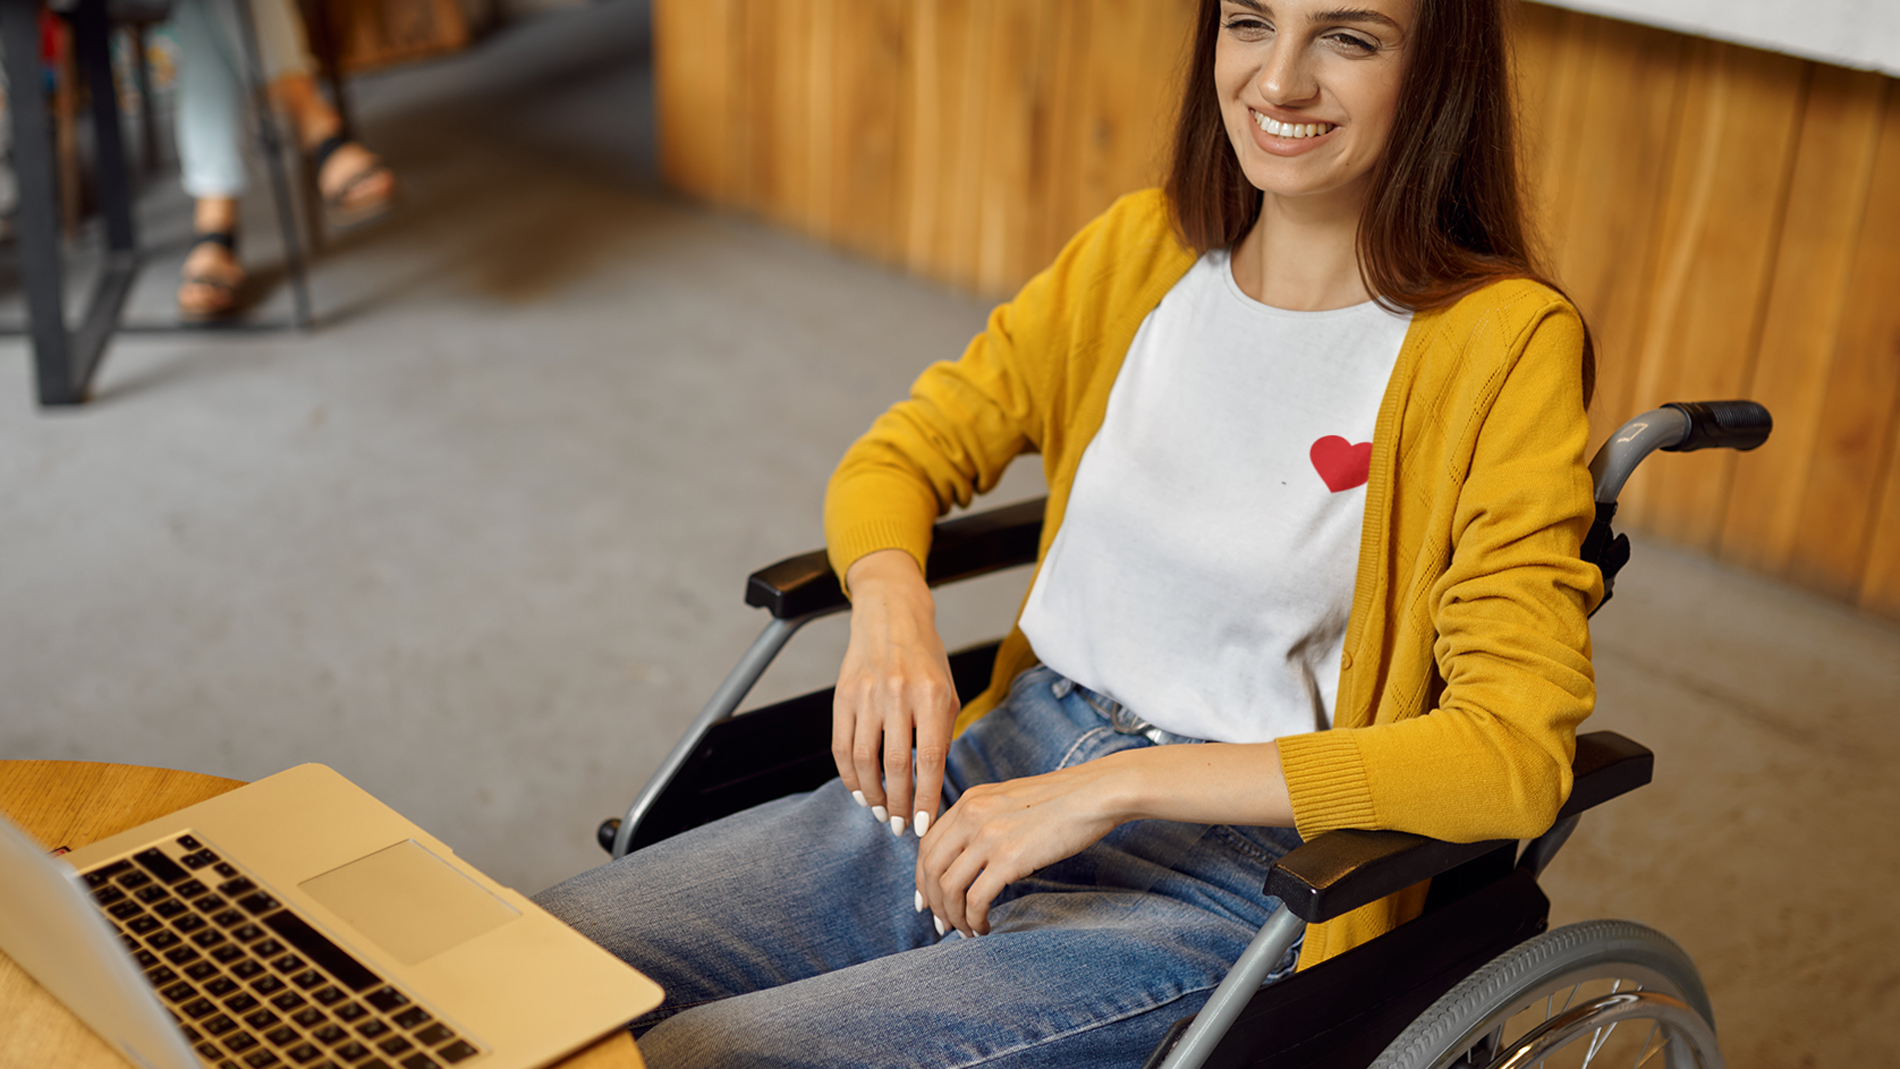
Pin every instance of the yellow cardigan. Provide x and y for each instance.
(1470, 600)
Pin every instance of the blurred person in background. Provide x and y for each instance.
(356, 186)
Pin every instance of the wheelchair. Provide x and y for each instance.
(1477, 981)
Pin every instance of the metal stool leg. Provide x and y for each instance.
(274, 159)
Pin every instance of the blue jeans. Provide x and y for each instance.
(785, 935)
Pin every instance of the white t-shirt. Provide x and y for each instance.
(1203, 574)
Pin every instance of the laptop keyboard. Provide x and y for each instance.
(251, 983)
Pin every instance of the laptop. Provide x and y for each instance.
(299, 922)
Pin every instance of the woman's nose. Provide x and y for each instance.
(1285, 78)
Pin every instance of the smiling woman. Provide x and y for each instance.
(1314, 437)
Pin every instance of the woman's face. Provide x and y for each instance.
(1308, 90)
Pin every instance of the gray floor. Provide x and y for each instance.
(479, 542)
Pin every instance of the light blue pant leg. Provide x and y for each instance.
(211, 87)
(786, 935)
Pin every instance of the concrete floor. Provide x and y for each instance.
(479, 541)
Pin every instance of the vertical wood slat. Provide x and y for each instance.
(1832, 179)
(1726, 191)
(1849, 470)
(1724, 217)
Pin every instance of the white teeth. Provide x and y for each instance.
(1291, 130)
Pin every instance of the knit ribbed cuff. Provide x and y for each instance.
(870, 536)
(1326, 780)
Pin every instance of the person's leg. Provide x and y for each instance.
(210, 157)
(350, 177)
(786, 935)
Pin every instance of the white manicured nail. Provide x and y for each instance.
(920, 901)
(858, 797)
(923, 823)
(897, 826)
(941, 930)
(882, 814)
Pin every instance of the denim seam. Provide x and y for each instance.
(1246, 846)
(1086, 736)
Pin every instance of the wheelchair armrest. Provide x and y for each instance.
(962, 548)
(1342, 870)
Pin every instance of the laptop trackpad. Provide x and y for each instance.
(410, 902)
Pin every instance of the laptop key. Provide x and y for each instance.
(126, 909)
(201, 970)
(259, 1059)
(221, 987)
(208, 938)
(159, 940)
(267, 985)
(189, 842)
(247, 932)
(133, 880)
(269, 948)
(241, 1003)
(224, 868)
(456, 1051)
(328, 995)
(155, 862)
(191, 922)
(197, 1008)
(261, 1019)
(179, 991)
(152, 894)
(435, 1035)
(218, 1025)
(106, 896)
(352, 1051)
(394, 1045)
(234, 888)
(387, 999)
(161, 976)
(190, 889)
(308, 979)
(210, 1050)
(170, 907)
(246, 969)
(198, 859)
(287, 1001)
(282, 1035)
(287, 963)
(329, 1034)
(412, 1018)
(142, 924)
(145, 958)
(239, 1042)
(181, 955)
(259, 903)
(228, 953)
(303, 1053)
(210, 904)
(371, 1028)
(350, 1012)
(105, 873)
(230, 918)
(419, 1060)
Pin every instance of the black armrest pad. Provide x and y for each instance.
(962, 548)
(1342, 870)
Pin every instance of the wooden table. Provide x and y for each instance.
(74, 803)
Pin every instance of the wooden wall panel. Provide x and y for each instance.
(1727, 219)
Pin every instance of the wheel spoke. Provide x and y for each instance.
(1643, 1056)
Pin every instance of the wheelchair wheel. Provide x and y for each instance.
(1601, 993)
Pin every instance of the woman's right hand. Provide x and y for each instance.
(895, 693)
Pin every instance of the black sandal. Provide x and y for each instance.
(336, 214)
(232, 290)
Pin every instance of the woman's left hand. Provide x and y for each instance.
(998, 833)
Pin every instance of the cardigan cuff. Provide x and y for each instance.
(870, 536)
(1326, 781)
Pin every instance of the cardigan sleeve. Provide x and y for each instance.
(1506, 622)
(965, 420)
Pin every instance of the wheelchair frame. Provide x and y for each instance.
(1434, 992)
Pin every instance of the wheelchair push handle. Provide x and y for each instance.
(1676, 427)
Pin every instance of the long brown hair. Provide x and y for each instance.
(1444, 215)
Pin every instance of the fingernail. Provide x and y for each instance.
(882, 814)
(897, 826)
(920, 901)
(858, 797)
(923, 823)
(941, 930)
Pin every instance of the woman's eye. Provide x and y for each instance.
(1248, 27)
(1356, 43)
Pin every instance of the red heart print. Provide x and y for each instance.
(1342, 464)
